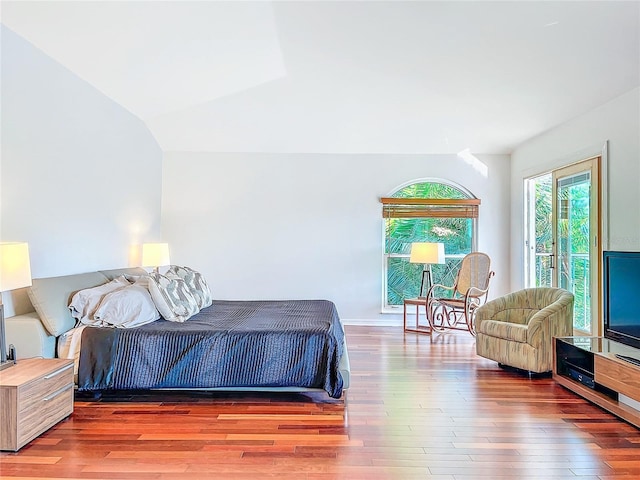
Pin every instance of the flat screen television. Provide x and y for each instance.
(621, 292)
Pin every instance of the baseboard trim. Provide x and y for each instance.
(368, 322)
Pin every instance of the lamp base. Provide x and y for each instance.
(6, 364)
(12, 359)
(5, 360)
(429, 281)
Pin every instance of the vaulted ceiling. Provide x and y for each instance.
(343, 77)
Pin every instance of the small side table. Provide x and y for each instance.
(418, 328)
(36, 393)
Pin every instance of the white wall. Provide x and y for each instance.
(270, 226)
(617, 122)
(80, 176)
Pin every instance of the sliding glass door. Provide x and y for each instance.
(563, 237)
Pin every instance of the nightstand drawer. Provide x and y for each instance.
(33, 393)
(47, 412)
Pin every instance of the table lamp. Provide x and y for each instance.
(15, 272)
(427, 254)
(155, 255)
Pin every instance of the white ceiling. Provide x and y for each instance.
(343, 77)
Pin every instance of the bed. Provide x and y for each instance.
(294, 345)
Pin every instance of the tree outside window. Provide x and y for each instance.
(402, 279)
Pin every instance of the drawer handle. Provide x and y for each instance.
(51, 375)
(58, 392)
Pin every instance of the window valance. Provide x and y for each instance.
(429, 207)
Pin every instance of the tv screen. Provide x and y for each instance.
(621, 289)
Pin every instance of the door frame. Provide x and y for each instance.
(603, 187)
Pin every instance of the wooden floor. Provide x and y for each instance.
(418, 407)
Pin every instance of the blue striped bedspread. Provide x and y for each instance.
(295, 343)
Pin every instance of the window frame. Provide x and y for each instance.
(394, 309)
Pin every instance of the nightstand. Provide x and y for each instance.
(35, 394)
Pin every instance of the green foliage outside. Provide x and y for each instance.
(404, 278)
(573, 243)
(544, 231)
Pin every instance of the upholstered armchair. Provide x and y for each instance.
(518, 329)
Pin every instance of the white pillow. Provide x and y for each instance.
(126, 308)
(85, 302)
(196, 284)
(171, 296)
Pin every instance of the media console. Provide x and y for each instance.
(603, 371)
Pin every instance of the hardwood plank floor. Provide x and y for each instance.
(418, 407)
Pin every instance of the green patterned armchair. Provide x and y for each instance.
(518, 329)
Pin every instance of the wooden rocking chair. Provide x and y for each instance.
(469, 291)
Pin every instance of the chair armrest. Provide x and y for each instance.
(555, 320)
(438, 285)
(489, 309)
(27, 334)
(476, 292)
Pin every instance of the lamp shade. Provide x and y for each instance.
(15, 268)
(155, 254)
(423, 252)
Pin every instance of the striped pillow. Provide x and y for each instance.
(172, 297)
(196, 284)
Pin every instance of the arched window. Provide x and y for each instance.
(425, 211)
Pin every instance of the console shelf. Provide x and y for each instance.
(589, 367)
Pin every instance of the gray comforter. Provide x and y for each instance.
(295, 343)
